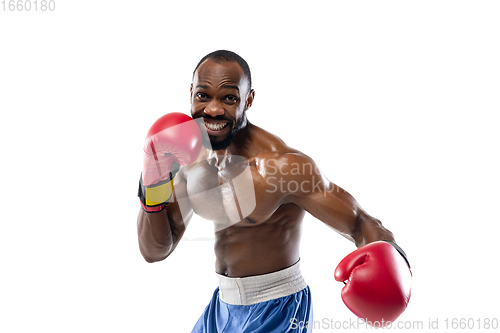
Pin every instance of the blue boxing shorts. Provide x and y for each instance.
(277, 302)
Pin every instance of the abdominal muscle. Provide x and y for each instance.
(255, 232)
(255, 248)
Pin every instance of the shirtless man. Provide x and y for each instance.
(256, 190)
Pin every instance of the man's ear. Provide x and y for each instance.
(249, 101)
(191, 93)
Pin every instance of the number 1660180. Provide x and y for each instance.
(28, 5)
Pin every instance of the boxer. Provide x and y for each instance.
(256, 190)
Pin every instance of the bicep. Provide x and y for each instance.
(335, 207)
(310, 189)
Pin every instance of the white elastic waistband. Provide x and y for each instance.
(261, 288)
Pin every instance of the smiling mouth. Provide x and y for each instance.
(216, 126)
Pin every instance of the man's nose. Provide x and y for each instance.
(214, 109)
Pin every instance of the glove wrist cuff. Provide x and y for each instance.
(155, 198)
(154, 209)
(400, 250)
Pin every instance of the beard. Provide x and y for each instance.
(214, 143)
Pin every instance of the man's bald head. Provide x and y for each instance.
(224, 55)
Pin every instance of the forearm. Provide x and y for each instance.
(368, 229)
(156, 239)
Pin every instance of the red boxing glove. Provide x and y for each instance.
(173, 140)
(378, 285)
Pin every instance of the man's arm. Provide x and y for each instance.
(377, 275)
(328, 202)
(159, 233)
(173, 141)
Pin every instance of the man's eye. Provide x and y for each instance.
(201, 95)
(231, 99)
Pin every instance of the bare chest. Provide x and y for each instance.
(230, 194)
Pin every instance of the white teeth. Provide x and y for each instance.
(214, 126)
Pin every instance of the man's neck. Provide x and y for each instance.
(238, 147)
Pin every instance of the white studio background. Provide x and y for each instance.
(395, 100)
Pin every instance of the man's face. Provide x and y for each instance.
(220, 94)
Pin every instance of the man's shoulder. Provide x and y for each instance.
(267, 142)
(271, 147)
